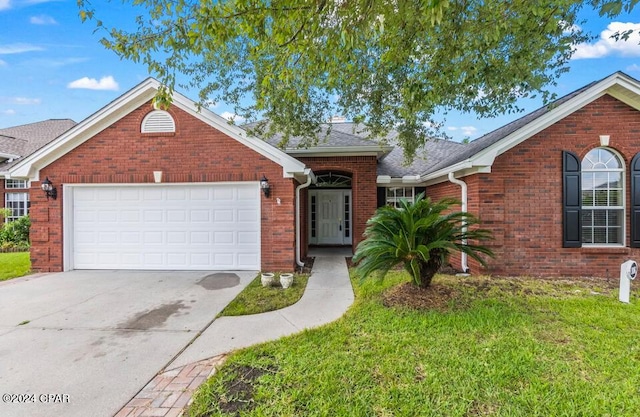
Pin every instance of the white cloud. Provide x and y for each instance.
(5, 4)
(567, 28)
(633, 68)
(105, 83)
(3, 63)
(26, 100)
(42, 19)
(18, 48)
(465, 130)
(607, 45)
(232, 117)
(9, 112)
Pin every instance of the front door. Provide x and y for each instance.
(330, 217)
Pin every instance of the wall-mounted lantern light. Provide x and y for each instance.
(49, 189)
(264, 185)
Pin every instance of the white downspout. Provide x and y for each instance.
(463, 186)
(298, 249)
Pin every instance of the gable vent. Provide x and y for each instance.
(158, 121)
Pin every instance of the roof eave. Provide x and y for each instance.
(30, 166)
(481, 162)
(123, 105)
(376, 150)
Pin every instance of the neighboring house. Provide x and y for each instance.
(15, 143)
(140, 188)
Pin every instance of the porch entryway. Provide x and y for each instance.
(330, 213)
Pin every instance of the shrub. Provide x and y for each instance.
(420, 236)
(15, 233)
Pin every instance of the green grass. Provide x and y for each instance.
(256, 299)
(14, 265)
(529, 349)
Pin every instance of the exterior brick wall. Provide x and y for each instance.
(363, 170)
(521, 199)
(1, 194)
(195, 153)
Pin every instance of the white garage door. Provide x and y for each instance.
(174, 227)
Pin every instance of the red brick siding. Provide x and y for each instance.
(195, 153)
(1, 196)
(521, 199)
(364, 175)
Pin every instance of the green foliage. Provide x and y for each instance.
(16, 233)
(14, 265)
(4, 213)
(555, 349)
(420, 237)
(388, 64)
(256, 299)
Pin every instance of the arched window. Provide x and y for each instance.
(602, 198)
(158, 121)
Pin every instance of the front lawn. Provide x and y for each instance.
(14, 265)
(498, 348)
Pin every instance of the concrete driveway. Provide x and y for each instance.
(82, 343)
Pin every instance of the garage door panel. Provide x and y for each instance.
(214, 226)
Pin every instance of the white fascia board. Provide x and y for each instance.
(484, 159)
(411, 179)
(290, 165)
(378, 151)
(85, 130)
(399, 182)
(383, 179)
(128, 102)
(559, 113)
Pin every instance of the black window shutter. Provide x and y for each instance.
(418, 190)
(571, 201)
(382, 196)
(635, 201)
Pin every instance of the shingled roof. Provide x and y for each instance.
(483, 142)
(25, 139)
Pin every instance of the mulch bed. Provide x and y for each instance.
(436, 297)
(458, 294)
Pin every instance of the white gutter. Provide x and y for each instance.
(463, 187)
(309, 174)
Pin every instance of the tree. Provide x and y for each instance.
(387, 64)
(420, 237)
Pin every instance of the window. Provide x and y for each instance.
(395, 194)
(13, 184)
(602, 198)
(18, 203)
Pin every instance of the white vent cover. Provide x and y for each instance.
(158, 121)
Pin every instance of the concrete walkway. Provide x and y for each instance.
(327, 297)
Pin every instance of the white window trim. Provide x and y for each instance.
(393, 201)
(624, 200)
(24, 184)
(25, 199)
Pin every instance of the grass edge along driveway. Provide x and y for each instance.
(516, 348)
(14, 264)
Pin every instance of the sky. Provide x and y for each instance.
(52, 66)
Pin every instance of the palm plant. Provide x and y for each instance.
(420, 237)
